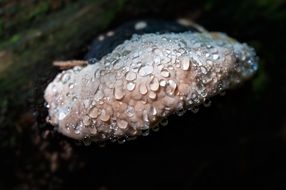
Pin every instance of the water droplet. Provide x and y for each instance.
(203, 70)
(125, 53)
(113, 139)
(165, 73)
(160, 66)
(170, 67)
(86, 141)
(207, 102)
(156, 128)
(185, 63)
(92, 61)
(181, 112)
(194, 97)
(104, 116)
(121, 140)
(145, 70)
(71, 85)
(157, 51)
(65, 78)
(220, 88)
(182, 50)
(67, 127)
(77, 128)
(62, 115)
(86, 103)
(113, 124)
(46, 105)
(145, 132)
(77, 68)
(194, 108)
(152, 95)
(253, 66)
(154, 84)
(146, 119)
(165, 60)
(171, 87)
(102, 72)
(120, 74)
(215, 56)
(109, 80)
(122, 124)
(130, 76)
(77, 132)
(143, 89)
(163, 83)
(118, 93)
(209, 62)
(164, 122)
(130, 86)
(74, 98)
(93, 130)
(94, 112)
(99, 95)
(86, 120)
(167, 51)
(130, 111)
(157, 60)
(203, 93)
(153, 111)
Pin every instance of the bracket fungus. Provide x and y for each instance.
(143, 80)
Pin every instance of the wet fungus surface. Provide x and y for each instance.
(144, 80)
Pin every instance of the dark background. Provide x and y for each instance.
(238, 142)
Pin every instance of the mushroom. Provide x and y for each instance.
(144, 80)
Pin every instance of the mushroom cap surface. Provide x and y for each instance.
(143, 80)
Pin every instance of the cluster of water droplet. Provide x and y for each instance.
(145, 79)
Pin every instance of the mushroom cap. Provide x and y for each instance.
(143, 80)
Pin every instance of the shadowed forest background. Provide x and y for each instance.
(239, 141)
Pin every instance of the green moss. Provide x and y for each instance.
(41, 8)
(14, 39)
